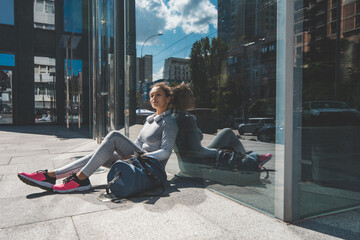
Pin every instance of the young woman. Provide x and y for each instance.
(188, 141)
(156, 140)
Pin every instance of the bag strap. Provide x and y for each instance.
(145, 162)
(117, 176)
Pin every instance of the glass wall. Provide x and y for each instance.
(73, 16)
(7, 12)
(226, 52)
(44, 90)
(74, 101)
(327, 109)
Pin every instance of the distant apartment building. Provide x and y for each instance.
(144, 69)
(44, 14)
(44, 90)
(177, 69)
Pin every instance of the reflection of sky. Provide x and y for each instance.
(7, 12)
(77, 66)
(72, 16)
(7, 59)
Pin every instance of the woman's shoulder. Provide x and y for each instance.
(169, 119)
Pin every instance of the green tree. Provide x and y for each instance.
(210, 82)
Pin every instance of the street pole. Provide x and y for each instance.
(142, 66)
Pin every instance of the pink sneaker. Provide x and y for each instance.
(72, 184)
(263, 159)
(38, 179)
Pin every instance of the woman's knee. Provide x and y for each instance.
(113, 134)
(227, 131)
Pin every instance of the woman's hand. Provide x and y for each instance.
(128, 157)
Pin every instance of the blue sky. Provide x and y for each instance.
(181, 21)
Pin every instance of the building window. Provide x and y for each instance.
(44, 14)
(7, 12)
(299, 39)
(39, 5)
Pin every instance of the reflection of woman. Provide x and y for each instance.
(156, 140)
(188, 141)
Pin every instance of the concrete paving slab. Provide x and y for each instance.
(38, 158)
(5, 160)
(17, 211)
(62, 228)
(140, 223)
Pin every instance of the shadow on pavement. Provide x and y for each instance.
(55, 130)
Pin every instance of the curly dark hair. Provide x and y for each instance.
(180, 94)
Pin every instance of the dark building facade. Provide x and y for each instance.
(68, 64)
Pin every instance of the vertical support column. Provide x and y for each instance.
(119, 62)
(127, 62)
(60, 56)
(285, 182)
(23, 91)
(95, 68)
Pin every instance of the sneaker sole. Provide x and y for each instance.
(35, 183)
(78, 189)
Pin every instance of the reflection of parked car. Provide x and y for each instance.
(5, 108)
(253, 125)
(142, 114)
(268, 131)
(328, 113)
(205, 119)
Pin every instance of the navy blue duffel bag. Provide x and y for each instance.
(135, 177)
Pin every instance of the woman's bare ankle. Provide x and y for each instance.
(81, 176)
(51, 174)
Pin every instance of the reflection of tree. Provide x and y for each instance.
(323, 80)
(212, 86)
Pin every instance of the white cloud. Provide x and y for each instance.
(154, 16)
(158, 75)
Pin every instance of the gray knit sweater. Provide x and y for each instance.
(158, 135)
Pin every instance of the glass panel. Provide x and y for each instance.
(73, 16)
(44, 90)
(6, 112)
(227, 51)
(7, 12)
(73, 92)
(44, 14)
(7, 60)
(328, 111)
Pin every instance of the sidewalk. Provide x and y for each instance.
(185, 211)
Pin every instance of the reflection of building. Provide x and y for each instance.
(44, 89)
(177, 69)
(245, 20)
(44, 14)
(249, 29)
